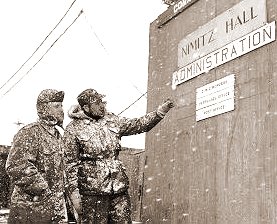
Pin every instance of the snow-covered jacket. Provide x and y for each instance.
(35, 165)
(92, 148)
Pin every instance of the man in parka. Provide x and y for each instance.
(35, 166)
(98, 183)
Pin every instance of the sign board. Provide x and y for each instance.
(235, 49)
(234, 23)
(216, 109)
(215, 86)
(215, 98)
(174, 10)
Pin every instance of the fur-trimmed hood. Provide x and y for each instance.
(76, 112)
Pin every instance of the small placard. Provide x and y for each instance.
(215, 109)
(216, 86)
(215, 98)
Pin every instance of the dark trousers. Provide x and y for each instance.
(106, 209)
(20, 215)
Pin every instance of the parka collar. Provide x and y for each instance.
(49, 128)
(76, 112)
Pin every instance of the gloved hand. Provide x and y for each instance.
(165, 107)
(75, 198)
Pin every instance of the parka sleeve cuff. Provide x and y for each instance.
(160, 114)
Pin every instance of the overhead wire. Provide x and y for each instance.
(101, 43)
(144, 94)
(39, 45)
(44, 53)
(95, 34)
(133, 103)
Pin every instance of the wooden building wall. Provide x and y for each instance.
(222, 169)
(133, 160)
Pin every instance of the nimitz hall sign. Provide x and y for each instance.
(233, 33)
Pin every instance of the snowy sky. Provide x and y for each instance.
(106, 49)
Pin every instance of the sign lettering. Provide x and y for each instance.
(216, 109)
(234, 23)
(215, 98)
(174, 10)
(237, 48)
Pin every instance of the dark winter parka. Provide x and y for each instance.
(92, 148)
(35, 165)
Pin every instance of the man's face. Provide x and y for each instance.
(95, 109)
(55, 110)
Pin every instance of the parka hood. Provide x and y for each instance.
(76, 112)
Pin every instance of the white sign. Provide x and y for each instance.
(216, 109)
(243, 18)
(215, 98)
(215, 86)
(235, 49)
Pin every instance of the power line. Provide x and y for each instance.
(44, 53)
(133, 103)
(39, 45)
(95, 34)
(101, 43)
(149, 90)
